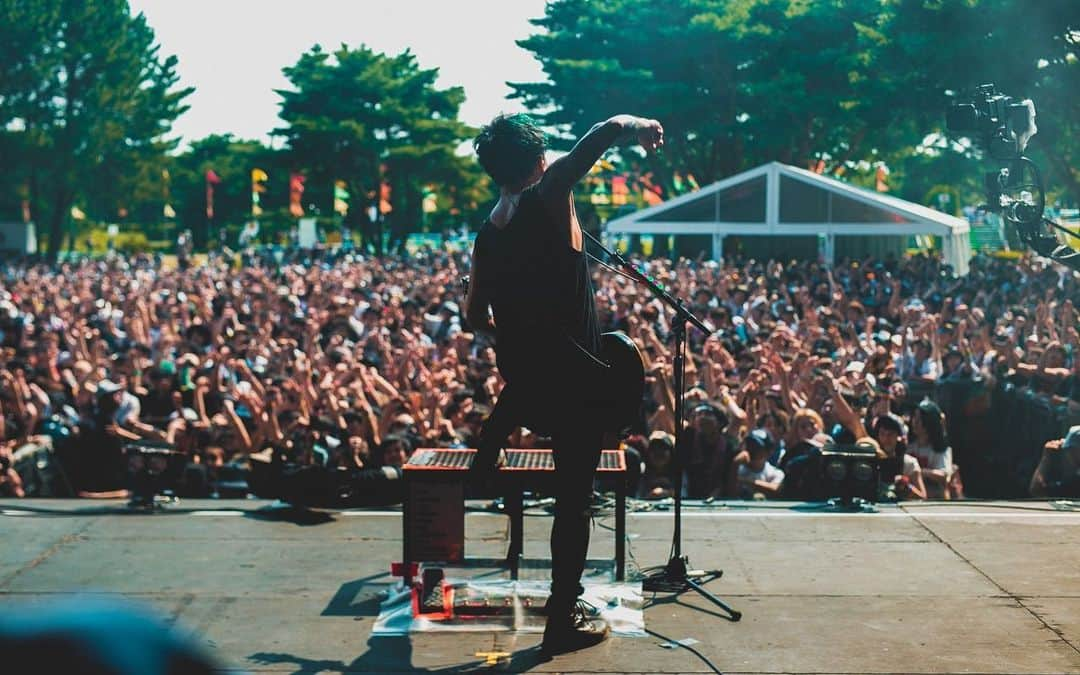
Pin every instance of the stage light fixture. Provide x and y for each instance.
(154, 469)
(849, 472)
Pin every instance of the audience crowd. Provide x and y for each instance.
(321, 372)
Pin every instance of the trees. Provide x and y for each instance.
(367, 118)
(85, 99)
(1027, 49)
(742, 82)
(232, 160)
(735, 83)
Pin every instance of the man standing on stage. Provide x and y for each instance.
(529, 267)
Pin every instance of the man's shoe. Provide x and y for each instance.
(580, 629)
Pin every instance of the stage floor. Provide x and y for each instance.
(927, 588)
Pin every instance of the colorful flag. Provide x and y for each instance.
(296, 194)
(651, 193)
(212, 179)
(167, 210)
(619, 190)
(431, 200)
(600, 194)
(384, 198)
(341, 198)
(258, 177)
(881, 177)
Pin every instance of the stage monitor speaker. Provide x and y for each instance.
(41, 472)
(849, 472)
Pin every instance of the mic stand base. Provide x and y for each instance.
(677, 578)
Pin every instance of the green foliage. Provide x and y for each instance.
(1027, 49)
(232, 160)
(852, 82)
(85, 103)
(367, 118)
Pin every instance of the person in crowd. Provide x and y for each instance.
(656, 480)
(928, 445)
(319, 356)
(708, 452)
(899, 472)
(752, 475)
(1058, 472)
(11, 484)
(803, 436)
(775, 421)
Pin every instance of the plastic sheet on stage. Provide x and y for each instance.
(481, 605)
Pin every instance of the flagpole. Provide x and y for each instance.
(209, 205)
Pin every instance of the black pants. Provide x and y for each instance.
(577, 440)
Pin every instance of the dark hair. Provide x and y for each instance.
(509, 148)
(888, 420)
(353, 416)
(778, 416)
(760, 439)
(395, 440)
(890, 466)
(711, 410)
(930, 415)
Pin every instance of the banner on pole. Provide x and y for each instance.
(296, 194)
(212, 179)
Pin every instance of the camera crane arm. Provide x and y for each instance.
(1003, 128)
(1025, 211)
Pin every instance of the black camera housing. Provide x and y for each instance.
(998, 122)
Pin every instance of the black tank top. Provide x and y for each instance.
(542, 294)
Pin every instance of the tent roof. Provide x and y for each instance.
(779, 199)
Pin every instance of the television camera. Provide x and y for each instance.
(1002, 127)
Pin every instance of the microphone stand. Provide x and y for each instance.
(675, 576)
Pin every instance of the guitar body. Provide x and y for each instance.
(618, 392)
(623, 386)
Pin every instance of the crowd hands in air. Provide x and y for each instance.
(349, 363)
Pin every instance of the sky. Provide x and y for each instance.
(232, 51)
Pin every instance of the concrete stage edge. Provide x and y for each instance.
(982, 587)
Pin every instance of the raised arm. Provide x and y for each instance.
(564, 172)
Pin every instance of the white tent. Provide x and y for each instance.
(778, 200)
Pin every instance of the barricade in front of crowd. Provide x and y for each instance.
(997, 431)
(1012, 435)
(918, 390)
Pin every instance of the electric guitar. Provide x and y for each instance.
(620, 386)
